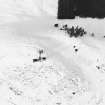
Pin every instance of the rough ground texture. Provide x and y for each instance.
(72, 73)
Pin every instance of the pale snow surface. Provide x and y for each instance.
(14, 10)
(66, 77)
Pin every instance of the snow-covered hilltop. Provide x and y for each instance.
(42, 65)
(45, 68)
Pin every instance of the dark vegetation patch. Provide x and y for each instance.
(69, 9)
(76, 50)
(74, 31)
(101, 68)
(98, 67)
(58, 103)
(16, 91)
(35, 60)
(56, 25)
(92, 34)
(73, 93)
(40, 58)
(74, 46)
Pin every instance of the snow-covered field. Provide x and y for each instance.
(39, 64)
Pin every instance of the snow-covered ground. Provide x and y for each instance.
(65, 76)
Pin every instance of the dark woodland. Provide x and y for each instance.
(68, 9)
